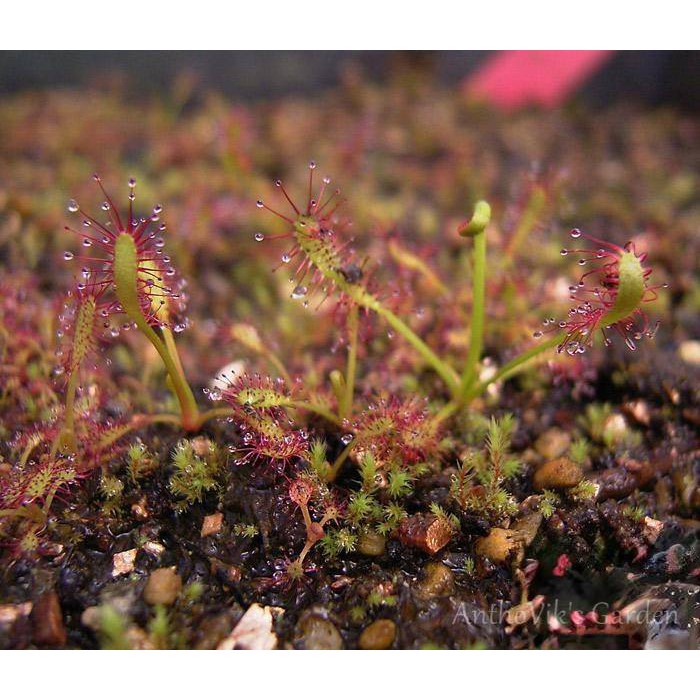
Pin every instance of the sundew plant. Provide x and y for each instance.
(351, 443)
(126, 274)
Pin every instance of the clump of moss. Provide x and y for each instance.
(196, 465)
(112, 490)
(478, 485)
(139, 462)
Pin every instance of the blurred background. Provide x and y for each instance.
(603, 140)
(598, 78)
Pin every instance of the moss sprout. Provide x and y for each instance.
(195, 472)
(479, 483)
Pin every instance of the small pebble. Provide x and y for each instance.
(253, 631)
(153, 548)
(91, 617)
(140, 509)
(553, 443)
(10, 613)
(638, 410)
(340, 583)
(162, 587)
(316, 632)
(425, 532)
(437, 581)
(212, 524)
(559, 473)
(615, 428)
(371, 544)
(689, 351)
(47, 620)
(652, 529)
(379, 635)
(498, 544)
(123, 562)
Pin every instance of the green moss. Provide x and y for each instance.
(139, 462)
(113, 629)
(194, 474)
(478, 484)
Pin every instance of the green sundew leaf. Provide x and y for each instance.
(630, 290)
(84, 331)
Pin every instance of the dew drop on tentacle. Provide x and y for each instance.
(346, 439)
(73, 206)
(68, 255)
(299, 291)
(537, 334)
(259, 204)
(215, 395)
(575, 233)
(259, 237)
(564, 251)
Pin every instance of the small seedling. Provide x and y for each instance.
(478, 484)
